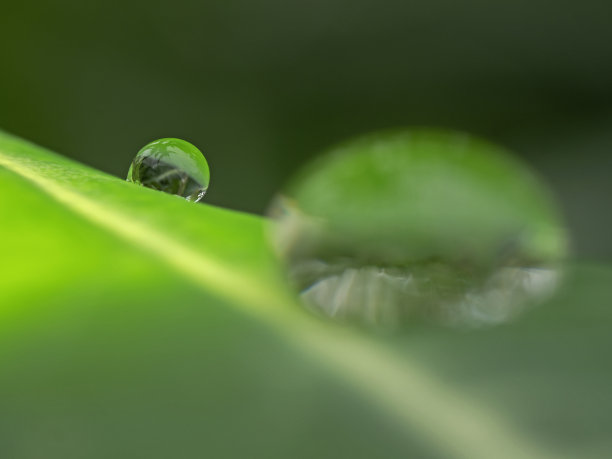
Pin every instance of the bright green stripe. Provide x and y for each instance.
(215, 275)
(449, 422)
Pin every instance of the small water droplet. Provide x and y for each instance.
(173, 166)
(421, 224)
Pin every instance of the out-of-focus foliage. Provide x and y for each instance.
(135, 324)
(261, 86)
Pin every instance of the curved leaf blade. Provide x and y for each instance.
(212, 260)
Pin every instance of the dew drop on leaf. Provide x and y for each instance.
(173, 166)
(414, 225)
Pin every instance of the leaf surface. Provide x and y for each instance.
(136, 324)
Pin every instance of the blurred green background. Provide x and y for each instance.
(261, 86)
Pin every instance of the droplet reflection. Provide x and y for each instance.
(173, 166)
(402, 226)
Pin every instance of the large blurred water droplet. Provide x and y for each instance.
(173, 166)
(430, 224)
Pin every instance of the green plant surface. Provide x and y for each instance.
(136, 324)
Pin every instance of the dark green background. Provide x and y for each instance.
(261, 86)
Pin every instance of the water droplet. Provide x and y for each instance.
(173, 166)
(423, 224)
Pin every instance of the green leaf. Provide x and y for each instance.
(136, 324)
